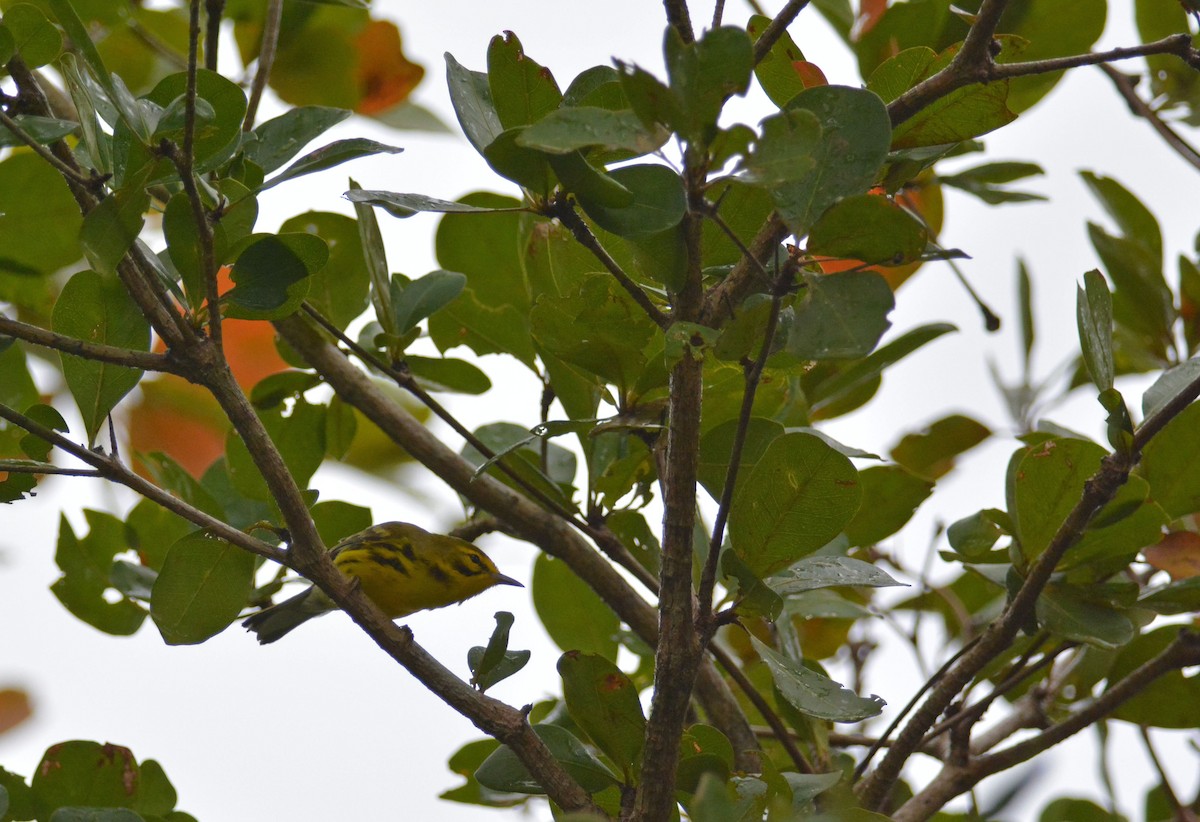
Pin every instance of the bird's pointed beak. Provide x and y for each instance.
(501, 579)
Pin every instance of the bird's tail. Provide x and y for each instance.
(272, 623)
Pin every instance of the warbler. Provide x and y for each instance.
(401, 567)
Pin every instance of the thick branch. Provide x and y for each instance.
(679, 649)
(213, 9)
(107, 467)
(88, 350)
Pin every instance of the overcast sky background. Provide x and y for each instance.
(323, 726)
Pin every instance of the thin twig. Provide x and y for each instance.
(213, 9)
(38, 467)
(771, 35)
(718, 13)
(155, 43)
(266, 58)
(1181, 812)
(564, 210)
(72, 174)
(100, 352)
(779, 730)
(106, 467)
(753, 375)
(1125, 86)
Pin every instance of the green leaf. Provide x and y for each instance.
(271, 275)
(855, 134)
(812, 573)
(716, 449)
(973, 537)
(35, 447)
(496, 663)
(1094, 314)
(842, 316)
(1142, 302)
(1169, 464)
(1173, 598)
(869, 228)
(784, 152)
(1050, 30)
(405, 205)
(1070, 614)
(931, 453)
(35, 38)
(217, 143)
(375, 256)
(424, 296)
(341, 289)
(300, 438)
(1045, 482)
(890, 497)
(447, 374)
(202, 587)
(184, 244)
(281, 138)
(503, 771)
(85, 564)
(40, 225)
(523, 91)
(775, 72)
(597, 328)
(798, 497)
(1136, 222)
(706, 73)
(842, 383)
(85, 775)
(572, 613)
(984, 181)
(964, 113)
(471, 97)
(42, 129)
(603, 701)
(569, 129)
(1167, 702)
(329, 156)
(754, 597)
(814, 694)
(1168, 385)
(96, 310)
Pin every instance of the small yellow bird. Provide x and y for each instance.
(401, 568)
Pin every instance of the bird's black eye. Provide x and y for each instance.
(478, 560)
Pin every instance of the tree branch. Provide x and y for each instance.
(109, 468)
(1125, 86)
(952, 781)
(523, 517)
(974, 64)
(99, 352)
(1098, 491)
(679, 648)
(266, 58)
(680, 19)
(722, 300)
(48, 468)
(771, 35)
(72, 174)
(213, 9)
(563, 210)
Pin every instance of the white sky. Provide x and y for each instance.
(323, 726)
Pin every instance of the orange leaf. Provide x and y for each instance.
(868, 15)
(810, 73)
(15, 708)
(1178, 554)
(385, 75)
